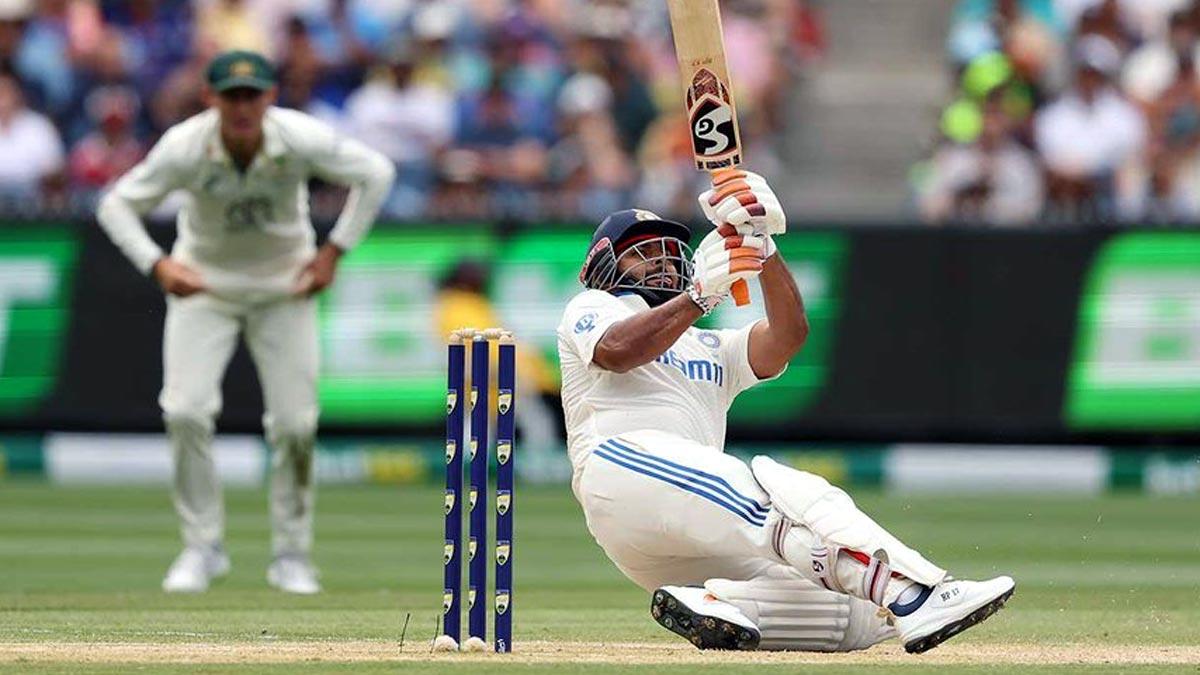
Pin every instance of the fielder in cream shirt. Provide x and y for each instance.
(244, 265)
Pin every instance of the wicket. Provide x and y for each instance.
(479, 403)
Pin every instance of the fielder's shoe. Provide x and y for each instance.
(293, 574)
(701, 618)
(934, 615)
(194, 568)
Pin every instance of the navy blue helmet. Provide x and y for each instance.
(637, 251)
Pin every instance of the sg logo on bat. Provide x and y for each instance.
(715, 141)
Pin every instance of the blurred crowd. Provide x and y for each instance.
(489, 108)
(1068, 111)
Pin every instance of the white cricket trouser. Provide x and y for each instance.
(671, 511)
(200, 336)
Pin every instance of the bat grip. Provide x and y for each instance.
(740, 292)
(740, 289)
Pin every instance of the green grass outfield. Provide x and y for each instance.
(1106, 584)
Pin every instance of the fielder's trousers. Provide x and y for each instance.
(200, 335)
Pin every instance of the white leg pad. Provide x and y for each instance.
(793, 614)
(830, 514)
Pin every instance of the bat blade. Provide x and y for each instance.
(704, 73)
(707, 94)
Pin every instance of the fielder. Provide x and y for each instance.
(736, 556)
(244, 264)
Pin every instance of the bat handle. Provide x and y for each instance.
(740, 289)
(740, 292)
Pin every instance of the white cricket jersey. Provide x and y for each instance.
(246, 232)
(686, 392)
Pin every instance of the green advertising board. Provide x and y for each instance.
(384, 361)
(1137, 353)
(36, 269)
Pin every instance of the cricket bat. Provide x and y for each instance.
(708, 98)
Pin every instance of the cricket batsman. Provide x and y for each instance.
(736, 556)
(244, 265)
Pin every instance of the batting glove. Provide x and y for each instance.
(724, 257)
(740, 197)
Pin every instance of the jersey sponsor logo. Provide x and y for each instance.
(585, 323)
(698, 370)
(710, 340)
(255, 211)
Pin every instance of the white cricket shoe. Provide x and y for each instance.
(293, 574)
(703, 619)
(948, 609)
(194, 569)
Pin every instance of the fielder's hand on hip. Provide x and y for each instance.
(723, 258)
(319, 272)
(177, 278)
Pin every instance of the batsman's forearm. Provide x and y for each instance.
(640, 339)
(786, 318)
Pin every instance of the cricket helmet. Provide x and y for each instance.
(660, 247)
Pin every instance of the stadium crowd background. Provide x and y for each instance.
(489, 108)
(1068, 111)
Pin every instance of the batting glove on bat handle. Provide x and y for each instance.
(721, 263)
(743, 198)
(740, 197)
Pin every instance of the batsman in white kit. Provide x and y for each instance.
(244, 264)
(736, 556)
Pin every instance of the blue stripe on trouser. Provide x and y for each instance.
(747, 506)
(696, 474)
(756, 521)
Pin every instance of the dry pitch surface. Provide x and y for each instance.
(1104, 585)
(626, 653)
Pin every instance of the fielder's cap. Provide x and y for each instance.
(241, 69)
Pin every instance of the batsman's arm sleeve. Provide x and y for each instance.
(586, 319)
(735, 355)
(135, 194)
(367, 173)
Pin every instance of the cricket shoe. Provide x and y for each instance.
(703, 619)
(293, 574)
(937, 614)
(194, 568)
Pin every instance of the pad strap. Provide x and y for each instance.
(873, 582)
